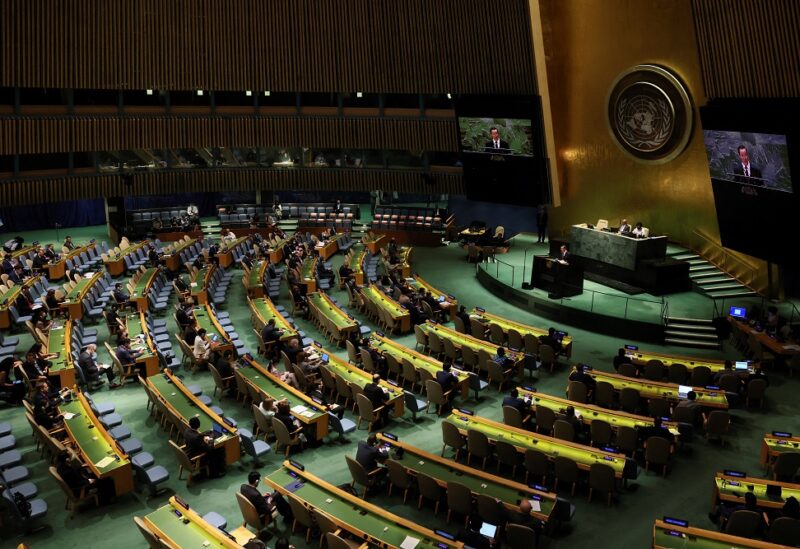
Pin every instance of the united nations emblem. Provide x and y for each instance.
(650, 114)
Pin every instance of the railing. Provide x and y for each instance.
(731, 262)
(627, 307)
(787, 309)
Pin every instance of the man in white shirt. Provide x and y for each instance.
(638, 230)
(202, 348)
(228, 236)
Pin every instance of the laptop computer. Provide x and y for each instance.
(742, 366)
(738, 312)
(683, 391)
(488, 529)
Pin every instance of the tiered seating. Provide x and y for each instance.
(142, 220)
(150, 289)
(232, 252)
(384, 310)
(182, 252)
(126, 257)
(399, 218)
(83, 260)
(87, 296)
(322, 210)
(241, 215)
(14, 479)
(209, 284)
(9, 293)
(258, 282)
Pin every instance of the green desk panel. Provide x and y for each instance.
(92, 443)
(275, 390)
(188, 536)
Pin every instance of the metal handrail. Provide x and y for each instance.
(728, 257)
(664, 304)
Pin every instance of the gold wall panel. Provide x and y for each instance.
(588, 43)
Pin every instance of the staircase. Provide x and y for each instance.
(710, 280)
(691, 332)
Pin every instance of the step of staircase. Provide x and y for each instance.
(703, 268)
(709, 276)
(691, 343)
(733, 284)
(744, 292)
(684, 256)
(691, 332)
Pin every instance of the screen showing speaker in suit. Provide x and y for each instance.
(749, 158)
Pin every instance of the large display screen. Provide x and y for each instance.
(502, 149)
(752, 148)
(748, 158)
(496, 136)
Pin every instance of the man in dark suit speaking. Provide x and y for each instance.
(745, 172)
(496, 145)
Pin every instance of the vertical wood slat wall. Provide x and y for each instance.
(413, 46)
(60, 189)
(749, 48)
(40, 135)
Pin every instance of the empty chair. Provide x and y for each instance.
(658, 407)
(301, 515)
(545, 418)
(601, 478)
(786, 467)
(629, 399)
(452, 437)
(717, 425)
(398, 477)
(565, 470)
(253, 448)
(755, 392)
(429, 489)
(700, 376)
(508, 455)
(604, 394)
(676, 373)
(627, 439)
(537, 466)
(600, 432)
(459, 500)
(341, 426)
(478, 446)
(657, 452)
(520, 537)
(151, 477)
(654, 370)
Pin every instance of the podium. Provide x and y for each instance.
(557, 279)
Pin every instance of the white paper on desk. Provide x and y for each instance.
(68, 415)
(299, 409)
(535, 505)
(193, 284)
(409, 543)
(108, 460)
(792, 347)
(307, 413)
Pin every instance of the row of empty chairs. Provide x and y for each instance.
(17, 489)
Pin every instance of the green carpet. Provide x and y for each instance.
(685, 492)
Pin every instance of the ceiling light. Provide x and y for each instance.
(266, 94)
(149, 92)
(359, 95)
(248, 93)
(199, 92)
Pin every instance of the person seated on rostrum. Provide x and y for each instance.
(638, 231)
(202, 444)
(371, 457)
(447, 379)
(377, 396)
(266, 504)
(92, 370)
(621, 359)
(122, 298)
(569, 416)
(579, 374)
(513, 400)
(201, 348)
(81, 480)
(657, 430)
(550, 339)
(284, 415)
(271, 336)
(723, 512)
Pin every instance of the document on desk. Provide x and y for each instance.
(68, 415)
(299, 409)
(307, 413)
(105, 462)
(535, 505)
(409, 543)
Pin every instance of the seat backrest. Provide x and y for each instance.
(181, 456)
(718, 422)
(600, 431)
(451, 436)
(149, 535)
(478, 443)
(576, 391)
(281, 432)
(434, 391)
(61, 484)
(601, 477)
(545, 418)
(365, 408)
(249, 512)
(657, 450)
(784, 531)
(428, 487)
(519, 536)
(512, 417)
(563, 430)
(743, 523)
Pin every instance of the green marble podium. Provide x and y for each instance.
(615, 249)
